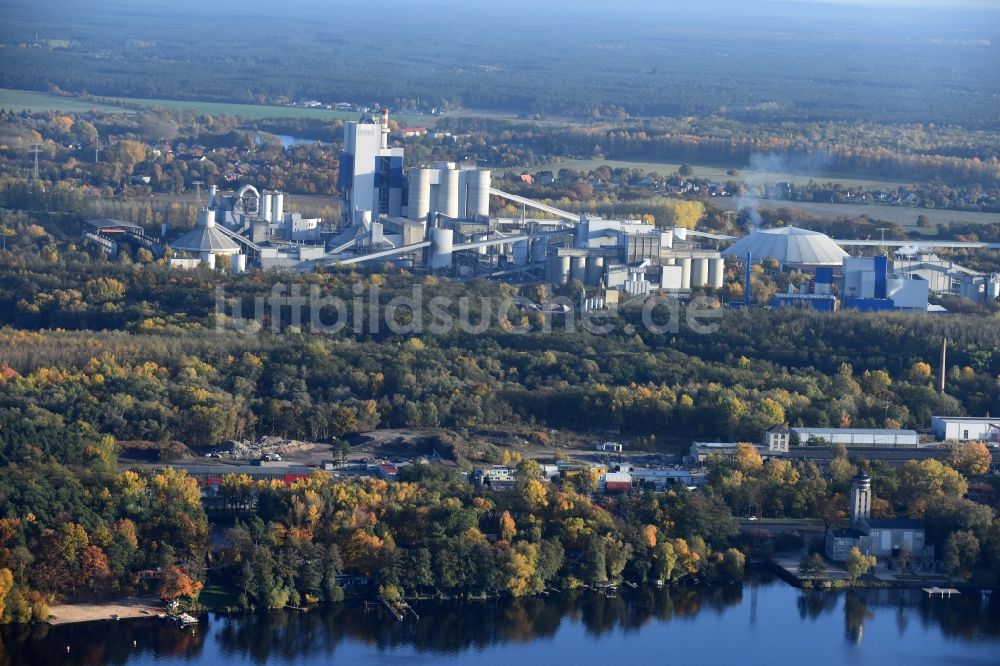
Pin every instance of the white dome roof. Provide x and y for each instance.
(789, 245)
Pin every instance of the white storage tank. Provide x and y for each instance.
(442, 242)
(685, 263)
(420, 194)
(699, 272)
(239, 264)
(448, 193)
(479, 193)
(716, 270)
(277, 207)
(578, 268)
(265, 206)
(993, 287)
(557, 269)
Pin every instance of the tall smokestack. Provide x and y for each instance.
(385, 128)
(944, 362)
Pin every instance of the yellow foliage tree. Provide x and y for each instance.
(508, 529)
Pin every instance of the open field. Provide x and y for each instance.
(902, 215)
(27, 100)
(261, 112)
(719, 172)
(38, 101)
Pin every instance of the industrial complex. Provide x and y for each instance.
(436, 218)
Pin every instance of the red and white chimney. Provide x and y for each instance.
(385, 128)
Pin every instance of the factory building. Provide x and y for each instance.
(947, 277)
(883, 538)
(966, 428)
(371, 173)
(851, 437)
(206, 242)
(869, 285)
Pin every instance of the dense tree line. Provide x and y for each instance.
(608, 65)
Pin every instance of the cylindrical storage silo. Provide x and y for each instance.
(239, 264)
(206, 217)
(670, 261)
(993, 287)
(442, 241)
(277, 207)
(420, 194)
(699, 272)
(595, 270)
(213, 192)
(578, 268)
(208, 258)
(716, 272)
(685, 263)
(479, 193)
(448, 193)
(265, 206)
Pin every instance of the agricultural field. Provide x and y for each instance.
(904, 216)
(718, 173)
(28, 100)
(38, 101)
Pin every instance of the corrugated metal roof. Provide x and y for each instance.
(205, 238)
(855, 431)
(789, 245)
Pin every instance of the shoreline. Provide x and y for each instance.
(129, 608)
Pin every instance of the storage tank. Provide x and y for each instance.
(448, 193)
(265, 206)
(208, 258)
(557, 269)
(442, 242)
(239, 264)
(206, 217)
(717, 272)
(277, 207)
(699, 272)
(578, 268)
(213, 193)
(685, 263)
(993, 287)
(595, 270)
(479, 193)
(420, 194)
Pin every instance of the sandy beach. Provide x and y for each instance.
(123, 608)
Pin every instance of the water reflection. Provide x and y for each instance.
(97, 642)
(450, 628)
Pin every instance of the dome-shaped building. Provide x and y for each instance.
(790, 246)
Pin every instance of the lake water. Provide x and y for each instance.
(764, 621)
(288, 141)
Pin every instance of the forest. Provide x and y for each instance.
(95, 353)
(593, 62)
